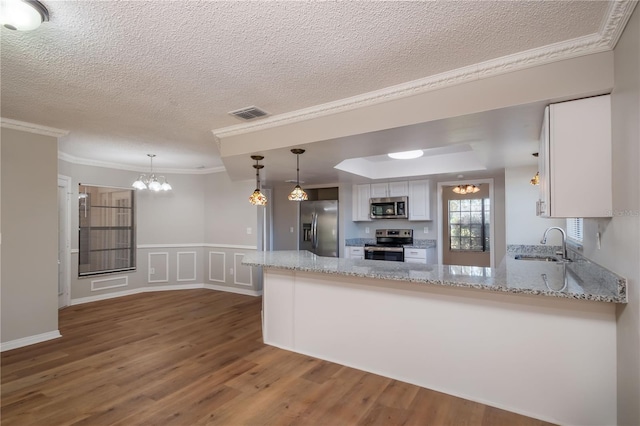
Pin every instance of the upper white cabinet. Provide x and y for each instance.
(360, 207)
(419, 200)
(389, 189)
(418, 192)
(574, 159)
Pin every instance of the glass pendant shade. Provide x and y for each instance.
(151, 181)
(258, 198)
(536, 179)
(466, 189)
(298, 193)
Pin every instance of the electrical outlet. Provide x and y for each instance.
(249, 231)
(230, 271)
(152, 271)
(366, 230)
(291, 229)
(426, 229)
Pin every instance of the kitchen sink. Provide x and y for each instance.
(538, 258)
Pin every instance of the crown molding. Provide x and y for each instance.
(32, 128)
(618, 14)
(96, 163)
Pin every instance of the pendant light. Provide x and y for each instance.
(298, 194)
(258, 198)
(536, 179)
(151, 181)
(466, 189)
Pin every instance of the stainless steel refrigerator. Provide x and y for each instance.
(319, 227)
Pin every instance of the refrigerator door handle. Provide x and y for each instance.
(314, 230)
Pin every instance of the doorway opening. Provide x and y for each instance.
(465, 224)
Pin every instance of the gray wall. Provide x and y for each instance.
(29, 230)
(203, 220)
(620, 248)
(522, 224)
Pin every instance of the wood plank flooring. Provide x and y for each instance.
(196, 357)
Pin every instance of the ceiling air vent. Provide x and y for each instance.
(248, 113)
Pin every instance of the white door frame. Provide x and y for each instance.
(440, 238)
(65, 236)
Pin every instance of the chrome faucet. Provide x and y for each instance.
(564, 241)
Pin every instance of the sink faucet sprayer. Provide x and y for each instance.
(564, 241)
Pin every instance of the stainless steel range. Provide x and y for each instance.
(389, 244)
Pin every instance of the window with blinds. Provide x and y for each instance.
(107, 231)
(574, 229)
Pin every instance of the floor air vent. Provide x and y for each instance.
(248, 113)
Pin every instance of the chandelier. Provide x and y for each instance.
(298, 193)
(151, 181)
(258, 198)
(466, 189)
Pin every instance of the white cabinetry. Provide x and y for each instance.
(419, 200)
(355, 252)
(360, 207)
(574, 159)
(389, 189)
(415, 255)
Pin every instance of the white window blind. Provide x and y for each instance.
(574, 228)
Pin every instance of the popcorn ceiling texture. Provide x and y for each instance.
(132, 77)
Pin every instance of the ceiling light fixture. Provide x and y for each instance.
(23, 15)
(406, 155)
(151, 181)
(466, 189)
(298, 194)
(258, 198)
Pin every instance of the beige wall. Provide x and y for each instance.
(620, 247)
(29, 268)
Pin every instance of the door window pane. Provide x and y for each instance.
(469, 224)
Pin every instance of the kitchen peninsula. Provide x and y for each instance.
(537, 338)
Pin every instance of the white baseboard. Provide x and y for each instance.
(31, 340)
(170, 287)
(245, 291)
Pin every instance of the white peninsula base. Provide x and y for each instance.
(548, 358)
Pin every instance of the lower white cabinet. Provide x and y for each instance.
(414, 255)
(425, 255)
(355, 252)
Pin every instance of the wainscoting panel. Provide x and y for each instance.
(186, 266)
(217, 266)
(112, 282)
(158, 267)
(242, 274)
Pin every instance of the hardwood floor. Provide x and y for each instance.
(196, 357)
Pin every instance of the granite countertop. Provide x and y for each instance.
(574, 280)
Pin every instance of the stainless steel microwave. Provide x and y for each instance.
(389, 208)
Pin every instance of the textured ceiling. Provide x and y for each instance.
(128, 78)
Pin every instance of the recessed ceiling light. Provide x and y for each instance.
(406, 155)
(23, 15)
